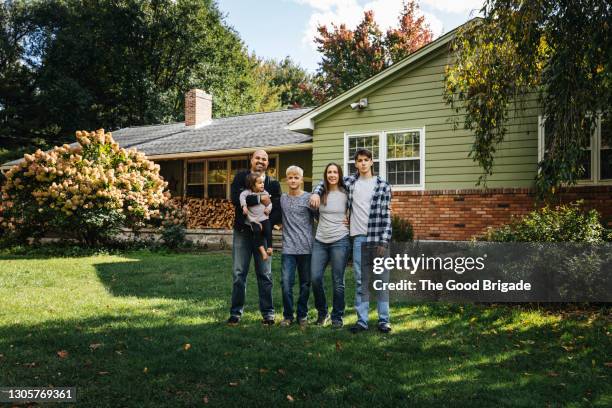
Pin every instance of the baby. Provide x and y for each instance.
(257, 215)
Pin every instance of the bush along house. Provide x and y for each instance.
(400, 115)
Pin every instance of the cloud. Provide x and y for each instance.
(454, 6)
(350, 12)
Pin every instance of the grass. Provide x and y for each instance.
(146, 330)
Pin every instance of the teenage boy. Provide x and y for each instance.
(243, 247)
(297, 246)
(369, 198)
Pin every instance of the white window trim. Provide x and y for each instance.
(595, 153)
(382, 155)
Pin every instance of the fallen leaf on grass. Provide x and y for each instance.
(95, 346)
(552, 374)
(290, 398)
(30, 365)
(187, 346)
(281, 371)
(338, 345)
(233, 384)
(103, 373)
(62, 354)
(263, 370)
(205, 399)
(145, 370)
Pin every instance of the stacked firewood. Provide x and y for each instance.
(208, 212)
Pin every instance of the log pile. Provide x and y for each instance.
(208, 212)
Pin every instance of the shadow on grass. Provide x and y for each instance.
(144, 361)
(175, 351)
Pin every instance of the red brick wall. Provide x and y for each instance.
(463, 214)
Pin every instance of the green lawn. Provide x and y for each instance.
(147, 330)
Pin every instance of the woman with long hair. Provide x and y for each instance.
(331, 246)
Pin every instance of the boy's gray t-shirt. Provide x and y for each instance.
(297, 224)
(362, 199)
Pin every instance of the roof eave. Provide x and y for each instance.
(302, 125)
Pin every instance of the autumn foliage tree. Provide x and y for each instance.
(349, 57)
(87, 191)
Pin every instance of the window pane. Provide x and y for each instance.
(363, 142)
(402, 145)
(237, 167)
(585, 160)
(404, 172)
(195, 191)
(585, 163)
(217, 171)
(605, 155)
(195, 173)
(217, 191)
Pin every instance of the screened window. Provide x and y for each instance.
(398, 155)
(596, 159)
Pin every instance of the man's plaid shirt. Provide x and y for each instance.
(379, 222)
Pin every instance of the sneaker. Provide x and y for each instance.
(384, 328)
(286, 323)
(322, 320)
(357, 328)
(337, 324)
(268, 321)
(233, 320)
(303, 322)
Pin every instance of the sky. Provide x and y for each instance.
(279, 28)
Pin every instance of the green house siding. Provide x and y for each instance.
(413, 99)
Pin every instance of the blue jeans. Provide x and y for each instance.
(243, 249)
(289, 264)
(363, 308)
(323, 254)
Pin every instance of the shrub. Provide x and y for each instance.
(566, 223)
(402, 229)
(86, 191)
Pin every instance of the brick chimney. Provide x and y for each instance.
(198, 108)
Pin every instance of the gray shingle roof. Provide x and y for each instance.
(233, 132)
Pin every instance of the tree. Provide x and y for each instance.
(74, 64)
(411, 35)
(557, 49)
(286, 84)
(352, 56)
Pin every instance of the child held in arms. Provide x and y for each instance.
(257, 215)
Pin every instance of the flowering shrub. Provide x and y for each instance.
(86, 191)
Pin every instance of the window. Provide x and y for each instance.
(597, 157)
(605, 148)
(403, 157)
(195, 179)
(212, 178)
(398, 156)
(217, 178)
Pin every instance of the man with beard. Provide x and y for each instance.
(243, 246)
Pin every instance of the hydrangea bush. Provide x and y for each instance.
(87, 191)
